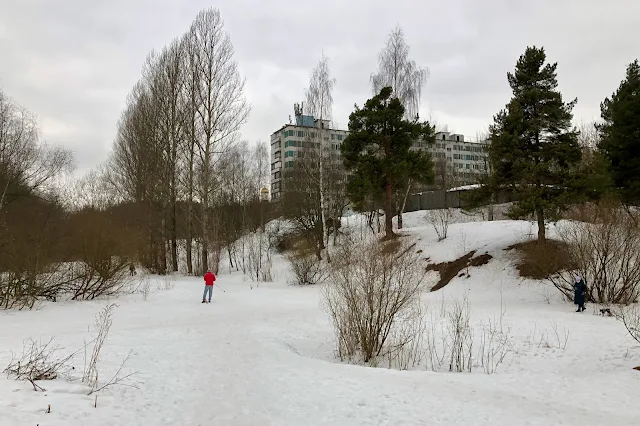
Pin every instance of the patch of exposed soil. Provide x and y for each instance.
(539, 261)
(449, 270)
(483, 259)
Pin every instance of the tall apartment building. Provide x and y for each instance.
(289, 142)
(456, 161)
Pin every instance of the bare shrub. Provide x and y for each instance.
(145, 287)
(630, 317)
(168, 282)
(406, 340)
(103, 255)
(39, 361)
(451, 339)
(440, 220)
(462, 244)
(605, 252)
(32, 246)
(307, 269)
(460, 336)
(23, 286)
(119, 378)
(495, 344)
(108, 277)
(259, 264)
(103, 322)
(372, 286)
(544, 339)
(437, 346)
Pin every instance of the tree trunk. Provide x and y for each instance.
(189, 255)
(205, 236)
(323, 216)
(490, 209)
(388, 210)
(542, 235)
(404, 204)
(163, 251)
(190, 235)
(174, 234)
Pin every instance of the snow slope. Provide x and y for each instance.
(264, 356)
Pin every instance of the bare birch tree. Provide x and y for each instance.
(319, 97)
(406, 78)
(400, 73)
(220, 104)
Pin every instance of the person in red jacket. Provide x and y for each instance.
(209, 278)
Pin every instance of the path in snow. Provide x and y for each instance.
(233, 363)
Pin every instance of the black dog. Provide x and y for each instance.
(606, 311)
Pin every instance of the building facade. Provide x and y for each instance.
(456, 161)
(289, 142)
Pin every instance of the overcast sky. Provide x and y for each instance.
(72, 62)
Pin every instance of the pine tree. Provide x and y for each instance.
(534, 149)
(620, 135)
(378, 152)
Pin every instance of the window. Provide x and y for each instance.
(443, 137)
(467, 157)
(468, 166)
(300, 134)
(333, 136)
(288, 164)
(288, 154)
(457, 138)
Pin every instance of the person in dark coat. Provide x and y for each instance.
(579, 293)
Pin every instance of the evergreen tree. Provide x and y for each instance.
(378, 152)
(534, 149)
(620, 135)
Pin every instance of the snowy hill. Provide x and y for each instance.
(265, 355)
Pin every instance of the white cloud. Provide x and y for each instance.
(73, 62)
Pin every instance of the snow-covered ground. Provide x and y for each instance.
(264, 355)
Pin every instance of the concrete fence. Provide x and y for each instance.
(441, 199)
